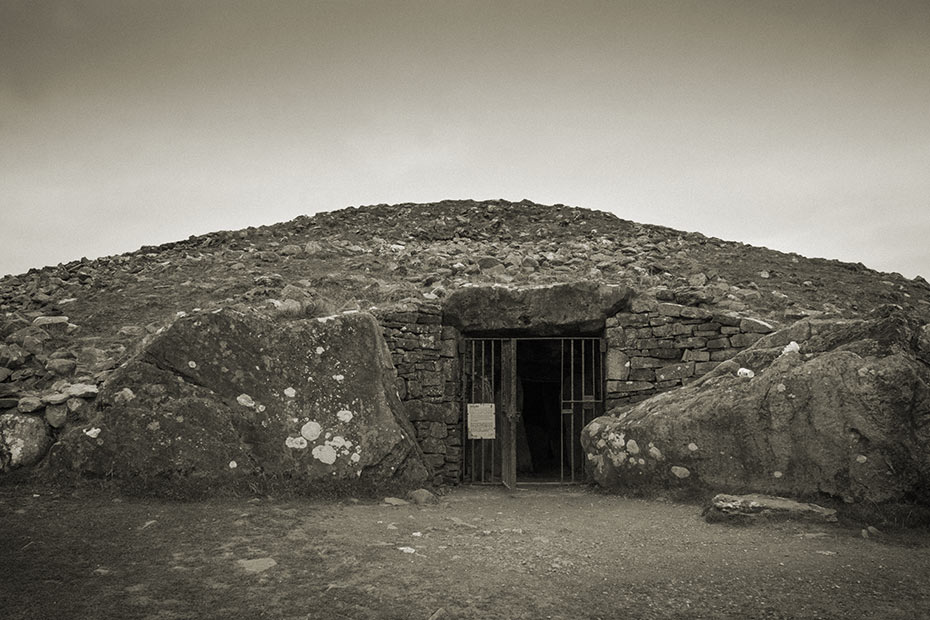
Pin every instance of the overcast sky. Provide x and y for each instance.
(801, 126)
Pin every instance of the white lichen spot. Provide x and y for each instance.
(344, 415)
(862, 458)
(93, 433)
(290, 392)
(339, 378)
(617, 458)
(632, 447)
(692, 447)
(594, 428)
(680, 472)
(180, 314)
(153, 426)
(791, 347)
(320, 350)
(192, 364)
(745, 373)
(337, 442)
(245, 400)
(777, 474)
(298, 443)
(233, 464)
(655, 453)
(16, 450)
(407, 549)
(261, 408)
(780, 388)
(641, 461)
(601, 442)
(311, 430)
(325, 454)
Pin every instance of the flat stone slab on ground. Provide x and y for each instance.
(757, 507)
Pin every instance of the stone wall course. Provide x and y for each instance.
(655, 333)
(425, 354)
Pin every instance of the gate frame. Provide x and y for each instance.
(507, 432)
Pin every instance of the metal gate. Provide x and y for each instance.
(492, 405)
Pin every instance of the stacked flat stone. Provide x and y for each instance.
(658, 346)
(425, 354)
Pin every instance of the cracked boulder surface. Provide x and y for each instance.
(225, 395)
(835, 407)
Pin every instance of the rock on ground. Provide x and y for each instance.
(24, 440)
(847, 414)
(422, 497)
(756, 507)
(224, 395)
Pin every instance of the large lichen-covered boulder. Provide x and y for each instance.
(24, 440)
(540, 310)
(226, 394)
(823, 407)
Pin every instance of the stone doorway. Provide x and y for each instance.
(525, 401)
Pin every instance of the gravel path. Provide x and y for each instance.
(540, 552)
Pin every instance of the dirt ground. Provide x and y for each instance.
(539, 552)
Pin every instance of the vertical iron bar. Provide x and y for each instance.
(484, 399)
(494, 397)
(571, 432)
(561, 410)
(571, 428)
(463, 412)
(572, 360)
(583, 386)
(474, 367)
(596, 375)
(573, 442)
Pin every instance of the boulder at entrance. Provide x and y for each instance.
(225, 395)
(580, 307)
(845, 413)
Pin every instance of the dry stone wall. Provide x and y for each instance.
(653, 346)
(657, 346)
(425, 354)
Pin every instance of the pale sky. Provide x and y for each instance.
(801, 126)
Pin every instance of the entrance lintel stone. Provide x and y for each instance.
(579, 307)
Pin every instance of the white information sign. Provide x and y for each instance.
(481, 421)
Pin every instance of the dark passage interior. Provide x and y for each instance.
(539, 374)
